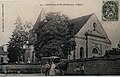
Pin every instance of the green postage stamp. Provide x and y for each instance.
(110, 10)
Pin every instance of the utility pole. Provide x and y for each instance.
(2, 17)
(22, 51)
(73, 39)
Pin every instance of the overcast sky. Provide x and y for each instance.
(29, 10)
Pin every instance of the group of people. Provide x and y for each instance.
(53, 69)
(78, 69)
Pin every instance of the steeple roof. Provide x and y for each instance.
(40, 18)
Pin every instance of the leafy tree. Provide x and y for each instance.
(118, 45)
(54, 35)
(113, 51)
(18, 39)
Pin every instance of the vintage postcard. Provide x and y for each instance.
(59, 37)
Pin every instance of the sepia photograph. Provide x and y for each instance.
(59, 38)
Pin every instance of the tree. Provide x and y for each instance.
(54, 35)
(113, 51)
(18, 39)
(118, 45)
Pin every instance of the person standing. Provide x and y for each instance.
(52, 69)
(82, 69)
(47, 67)
(43, 69)
(57, 70)
(77, 70)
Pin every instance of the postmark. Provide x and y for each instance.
(110, 11)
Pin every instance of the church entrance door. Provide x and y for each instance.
(81, 52)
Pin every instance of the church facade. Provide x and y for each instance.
(90, 37)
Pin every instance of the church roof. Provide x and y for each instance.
(79, 22)
(40, 19)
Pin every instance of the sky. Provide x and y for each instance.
(29, 10)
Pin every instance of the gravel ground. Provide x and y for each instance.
(38, 74)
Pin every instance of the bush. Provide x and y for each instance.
(114, 51)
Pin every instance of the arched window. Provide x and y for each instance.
(95, 51)
(81, 52)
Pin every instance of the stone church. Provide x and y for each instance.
(90, 37)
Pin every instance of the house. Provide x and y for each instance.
(3, 54)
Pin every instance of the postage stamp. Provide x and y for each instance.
(110, 11)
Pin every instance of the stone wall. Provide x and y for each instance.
(96, 66)
(23, 68)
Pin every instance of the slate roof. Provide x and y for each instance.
(79, 22)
